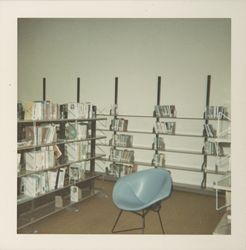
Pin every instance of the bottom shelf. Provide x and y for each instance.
(46, 210)
(43, 206)
(224, 226)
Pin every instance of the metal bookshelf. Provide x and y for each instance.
(204, 170)
(33, 209)
(168, 166)
(182, 151)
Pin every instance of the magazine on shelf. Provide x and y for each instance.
(77, 172)
(75, 194)
(76, 151)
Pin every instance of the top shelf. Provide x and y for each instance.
(60, 120)
(151, 116)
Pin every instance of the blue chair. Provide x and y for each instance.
(141, 192)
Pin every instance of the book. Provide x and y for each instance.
(18, 162)
(158, 160)
(75, 194)
(61, 177)
(52, 178)
(27, 107)
(20, 111)
(158, 143)
(164, 111)
(76, 172)
(57, 151)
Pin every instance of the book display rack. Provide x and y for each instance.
(165, 122)
(56, 158)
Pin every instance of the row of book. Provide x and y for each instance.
(76, 131)
(46, 110)
(74, 110)
(121, 170)
(215, 112)
(41, 183)
(158, 160)
(119, 124)
(76, 151)
(45, 134)
(158, 143)
(40, 159)
(212, 148)
(165, 111)
(38, 135)
(46, 157)
(209, 131)
(37, 110)
(121, 140)
(121, 155)
(165, 127)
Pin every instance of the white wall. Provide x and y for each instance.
(182, 51)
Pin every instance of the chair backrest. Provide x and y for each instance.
(147, 185)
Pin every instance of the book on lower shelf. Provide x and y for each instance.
(215, 112)
(18, 162)
(39, 159)
(34, 185)
(121, 140)
(121, 155)
(119, 124)
(77, 172)
(165, 127)
(117, 169)
(158, 143)
(76, 151)
(213, 148)
(159, 160)
(208, 130)
(75, 194)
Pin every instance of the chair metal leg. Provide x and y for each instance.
(117, 220)
(155, 208)
(143, 217)
(130, 229)
(161, 222)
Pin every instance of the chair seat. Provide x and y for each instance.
(142, 189)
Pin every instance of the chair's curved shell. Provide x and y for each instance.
(142, 189)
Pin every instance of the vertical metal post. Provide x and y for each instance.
(116, 91)
(115, 113)
(93, 141)
(44, 88)
(78, 89)
(157, 118)
(204, 164)
(159, 90)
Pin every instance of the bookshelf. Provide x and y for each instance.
(47, 201)
(202, 137)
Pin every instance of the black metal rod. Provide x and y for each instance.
(78, 89)
(163, 231)
(157, 118)
(208, 90)
(204, 164)
(93, 142)
(44, 89)
(116, 91)
(159, 90)
(117, 220)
